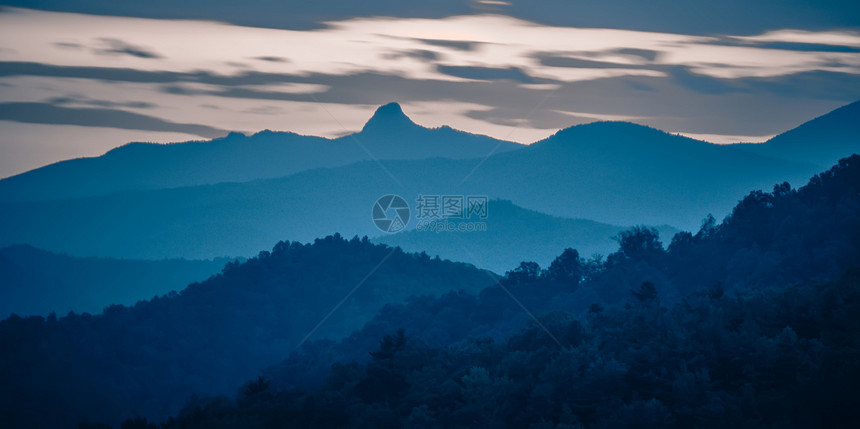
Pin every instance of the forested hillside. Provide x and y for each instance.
(148, 358)
(776, 358)
(748, 323)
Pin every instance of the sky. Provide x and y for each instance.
(78, 78)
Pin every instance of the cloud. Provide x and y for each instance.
(113, 47)
(86, 101)
(14, 68)
(273, 59)
(678, 16)
(264, 110)
(69, 45)
(808, 47)
(646, 54)
(494, 2)
(821, 38)
(487, 73)
(44, 113)
(482, 73)
(119, 74)
(702, 83)
(693, 103)
(460, 45)
(551, 60)
(513, 116)
(419, 54)
(701, 18)
(414, 48)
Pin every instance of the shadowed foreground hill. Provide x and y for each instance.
(37, 282)
(148, 358)
(778, 358)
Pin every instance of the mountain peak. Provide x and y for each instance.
(392, 108)
(605, 131)
(388, 116)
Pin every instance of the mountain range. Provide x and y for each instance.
(610, 172)
(38, 282)
(389, 134)
(326, 310)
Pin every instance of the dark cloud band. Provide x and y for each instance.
(43, 113)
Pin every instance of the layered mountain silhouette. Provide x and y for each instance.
(148, 358)
(514, 234)
(610, 172)
(822, 141)
(38, 282)
(389, 134)
(765, 274)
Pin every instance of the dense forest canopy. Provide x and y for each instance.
(774, 358)
(148, 358)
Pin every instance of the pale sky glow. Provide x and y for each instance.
(30, 144)
(726, 139)
(482, 73)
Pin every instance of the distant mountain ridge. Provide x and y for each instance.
(615, 173)
(822, 141)
(38, 282)
(388, 135)
(582, 172)
(514, 234)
